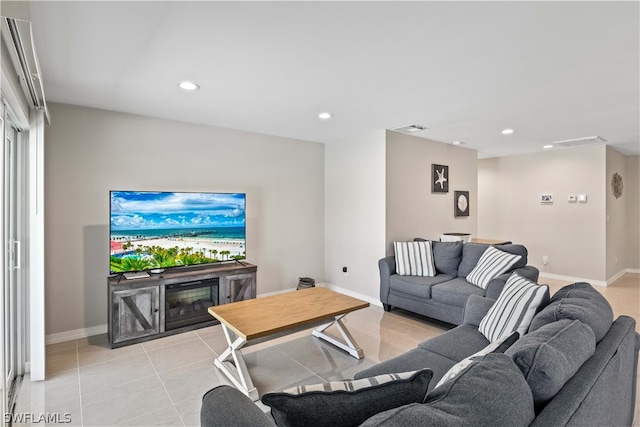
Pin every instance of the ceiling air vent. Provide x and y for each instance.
(410, 128)
(579, 141)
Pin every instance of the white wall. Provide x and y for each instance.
(355, 213)
(616, 216)
(89, 152)
(412, 209)
(632, 192)
(572, 235)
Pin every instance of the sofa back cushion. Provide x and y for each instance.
(551, 355)
(578, 301)
(471, 253)
(446, 256)
(492, 392)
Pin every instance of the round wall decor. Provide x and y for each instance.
(616, 185)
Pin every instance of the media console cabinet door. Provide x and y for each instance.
(135, 313)
(237, 287)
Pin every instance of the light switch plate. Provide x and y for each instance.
(572, 198)
(582, 198)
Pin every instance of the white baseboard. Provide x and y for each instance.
(76, 334)
(571, 279)
(601, 283)
(268, 294)
(367, 298)
(370, 300)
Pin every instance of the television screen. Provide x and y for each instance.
(156, 230)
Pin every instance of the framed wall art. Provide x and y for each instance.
(616, 185)
(460, 203)
(439, 178)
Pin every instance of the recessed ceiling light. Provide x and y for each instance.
(547, 146)
(507, 131)
(457, 142)
(187, 85)
(325, 116)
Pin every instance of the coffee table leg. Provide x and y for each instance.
(349, 344)
(231, 363)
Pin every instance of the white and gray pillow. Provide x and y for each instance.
(514, 309)
(491, 264)
(414, 258)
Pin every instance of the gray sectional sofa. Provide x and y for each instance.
(575, 366)
(443, 296)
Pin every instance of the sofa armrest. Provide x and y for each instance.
(528, 272)
(495, 286)
(227, 406)
(387, 267)
(475, 309)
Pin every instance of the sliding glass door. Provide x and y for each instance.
(13, 290)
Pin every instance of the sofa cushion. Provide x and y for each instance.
(414, 258)
(471, 253)
(347, 403)
(550, 356)
(498, 346)
(490, 393)
(457, 343)
(491, 264)
(416, 285)
(578, 301)
(455, 292)
(514, 308)
(447, 257)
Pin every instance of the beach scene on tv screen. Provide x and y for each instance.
(150, 230)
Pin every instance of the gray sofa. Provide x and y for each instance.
(443, 297)
(574, 367)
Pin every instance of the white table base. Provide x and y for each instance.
(232, 364)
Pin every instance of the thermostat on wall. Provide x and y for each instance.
(546, 198)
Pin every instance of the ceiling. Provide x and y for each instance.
(466, 70)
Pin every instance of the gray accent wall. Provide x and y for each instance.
(89, 152)
(412, 210)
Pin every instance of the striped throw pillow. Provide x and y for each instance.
(491, 264)
(351, 385)
(514, 309)
(414, 258)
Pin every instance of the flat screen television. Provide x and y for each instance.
(155, 230)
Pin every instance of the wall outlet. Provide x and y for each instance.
(344, 270)
(545, 259)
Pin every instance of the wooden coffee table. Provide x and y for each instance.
(250, 319)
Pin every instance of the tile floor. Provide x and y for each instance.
(161, 382)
